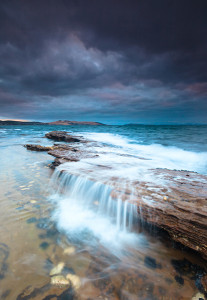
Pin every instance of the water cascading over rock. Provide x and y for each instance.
(94, 196)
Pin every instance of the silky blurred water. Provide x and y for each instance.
(36, 221)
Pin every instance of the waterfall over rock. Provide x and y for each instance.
(87, 205)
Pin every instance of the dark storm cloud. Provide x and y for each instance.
(115, 61)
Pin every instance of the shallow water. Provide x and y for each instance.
(43, 225)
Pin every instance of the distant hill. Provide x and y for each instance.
(66, 122)
(10, 122)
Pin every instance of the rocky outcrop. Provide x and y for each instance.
(34, 147)
(179, 206)
(181, 209)
(62, 136)
(64, 153)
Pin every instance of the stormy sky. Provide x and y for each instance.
(112, 61)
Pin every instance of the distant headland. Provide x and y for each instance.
(66, 122)
(59, 122)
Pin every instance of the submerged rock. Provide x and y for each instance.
(57, 269)
(151, 263)
(44, 245)
(179, 279)
(5, 294)
(31, 220)
(198, 296)
(59, 280)
(47, 292)
(33, 201)
(69, 250)
(4, 254)
(204, 283)
(75, 280)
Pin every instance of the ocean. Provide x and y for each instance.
(50, 220)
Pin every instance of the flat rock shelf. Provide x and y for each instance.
(179, 206)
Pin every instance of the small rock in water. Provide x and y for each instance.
(165, 198)
(31, 220)
(198, 296)
(20, 207)
(57, 270)
(204, 282)
(44, 245)
(51, 232)
(4, 254)
(42, 223)
(59, 280)
(33, 201)
(151, 263)
(37, 206)
(6, 294)
(179, 279)
(75, 280)
(69, 250)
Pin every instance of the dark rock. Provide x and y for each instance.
(62, 136)
(5, 294)
(56, 163)
(37, 206)
(31, 220)
(67, 270)
(4, 253)
(50, 233)
(44, 245)
(179, 279)
(151, 263)
(20, 208)
(42, 223)
(204, 283)
(185, 267)
(34, 147)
